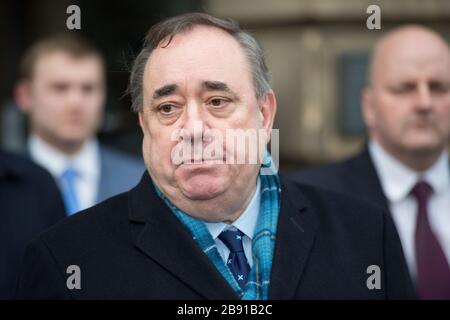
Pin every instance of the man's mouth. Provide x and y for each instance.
(422, 124)
(204, 161)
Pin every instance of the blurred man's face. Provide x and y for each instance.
(201, 81)
(65, 98)
(407, 108)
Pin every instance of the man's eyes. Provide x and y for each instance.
(404, 88)
(167, 109)
(88, 88)
(433, 87)
(218, 102)
(170, 108)
(60, 87)
(65, 87)
(439, 87)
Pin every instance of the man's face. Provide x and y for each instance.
(408, 105)
(201, 81)
(65, 97)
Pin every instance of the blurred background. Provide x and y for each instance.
(317, 52)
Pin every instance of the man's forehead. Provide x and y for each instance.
(205, 85)
(198, 43)
(60, 62)
(401, 62)
(430, 66)
(184, 80)
(418, 54)
(407, 49)
(201, 54)
(77, 72)
(59, 55)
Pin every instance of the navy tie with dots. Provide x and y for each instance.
(237, 262)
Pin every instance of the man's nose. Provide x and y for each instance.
(194, 121)
(74, 97)
(424, 99)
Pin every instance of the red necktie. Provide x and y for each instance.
(433, 272)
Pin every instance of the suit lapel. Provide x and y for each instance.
(107, 180)
(297, 226)
(163, 238)
(364, 178)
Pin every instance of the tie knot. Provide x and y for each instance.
(421, 191)
(233, 240)
(69, 174)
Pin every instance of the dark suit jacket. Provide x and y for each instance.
(119, 172)
(355, 176)
(132, 246)
(29, 203)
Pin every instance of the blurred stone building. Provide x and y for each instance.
(317, 52)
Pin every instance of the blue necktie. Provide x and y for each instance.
(67, 182)
(237, 262)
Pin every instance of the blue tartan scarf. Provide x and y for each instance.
(263, 242)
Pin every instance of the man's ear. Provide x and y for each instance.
(268, 108)
(141, 117)
(22, 95)
(367, 106)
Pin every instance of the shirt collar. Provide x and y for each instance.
(438, 176)
(86, 162)
(245, 223)
(398, 180)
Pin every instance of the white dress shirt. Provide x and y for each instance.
(86, 162)
(397, 181)
(245, 223)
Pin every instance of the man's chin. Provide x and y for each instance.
(202, 192)
(73, 137)
(202, 187)
(200, 195)
(202, 181)
(424, 143)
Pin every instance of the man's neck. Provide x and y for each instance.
(233, 217)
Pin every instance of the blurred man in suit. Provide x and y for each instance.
(62, 90)
(405, 168)
(29, 203)
(205, 226)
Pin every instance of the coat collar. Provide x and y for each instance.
(297, 226)
(13, 166)
(162, 238)
(362, 166)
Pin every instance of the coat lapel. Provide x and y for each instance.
(108, 177)
(163, 238)
(364, 178)
(297, 226)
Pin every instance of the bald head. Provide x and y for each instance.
(408, 45)
(406, 105)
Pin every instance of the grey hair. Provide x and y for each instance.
(167, 29)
